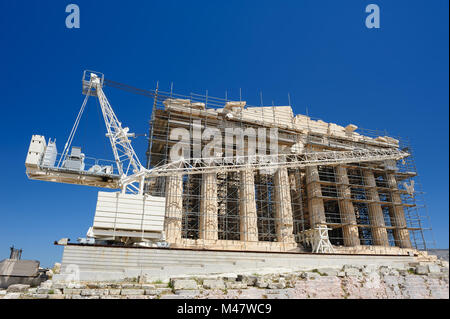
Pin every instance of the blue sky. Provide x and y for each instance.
(393, 78)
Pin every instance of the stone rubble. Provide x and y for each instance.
(416, 280)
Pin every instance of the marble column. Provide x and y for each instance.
(283, 209)
(346, 209)
(174, 208)
(379, 233)
(315, 202)
(247, 207)
(397, 214)
(208, 224)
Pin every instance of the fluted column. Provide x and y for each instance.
(247, 207)
(296, 194)
(397, 213)
(283, 209)
(379, 233)
(347, 212)
(208, 224)
(174, 208)
(315, 202)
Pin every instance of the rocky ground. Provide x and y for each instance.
(418, 280)
(439, 253)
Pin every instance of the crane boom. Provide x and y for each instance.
(266, 162)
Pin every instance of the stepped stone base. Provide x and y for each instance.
(100, 263)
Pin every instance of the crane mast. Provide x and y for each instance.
(125, 157)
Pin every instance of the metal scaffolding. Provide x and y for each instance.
(377, 202)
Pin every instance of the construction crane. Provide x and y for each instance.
(128, 174)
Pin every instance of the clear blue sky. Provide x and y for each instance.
(394, 78)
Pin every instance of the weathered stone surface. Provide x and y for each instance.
(235, 285)
(164, 290)
(18, 288)
(328, 271)
(152, 292)
(49, 273)
(59, 286)
(213, 284)
(385, 270)
(56, 268)
(72, 285)
(277, 296)
(421, 270)
(261, 282)
(434, 269)
(148, 286)
(173, 297)
(111, 297)
(114, 292)
(310, 275)
(184, 284)
(249, 280)
(128, 292)
(136, 297)
(187, 292)
(43, 290)
(277, 285)
(70, 291)
(394, 272)
(131, 286)
(230, 277)
(366, 282)
(46, 284)
(368, 269)
(12, 295)
(352, 272)
(94, 292)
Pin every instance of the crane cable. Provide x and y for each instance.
(75, 127)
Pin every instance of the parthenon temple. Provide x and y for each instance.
(348, 207)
